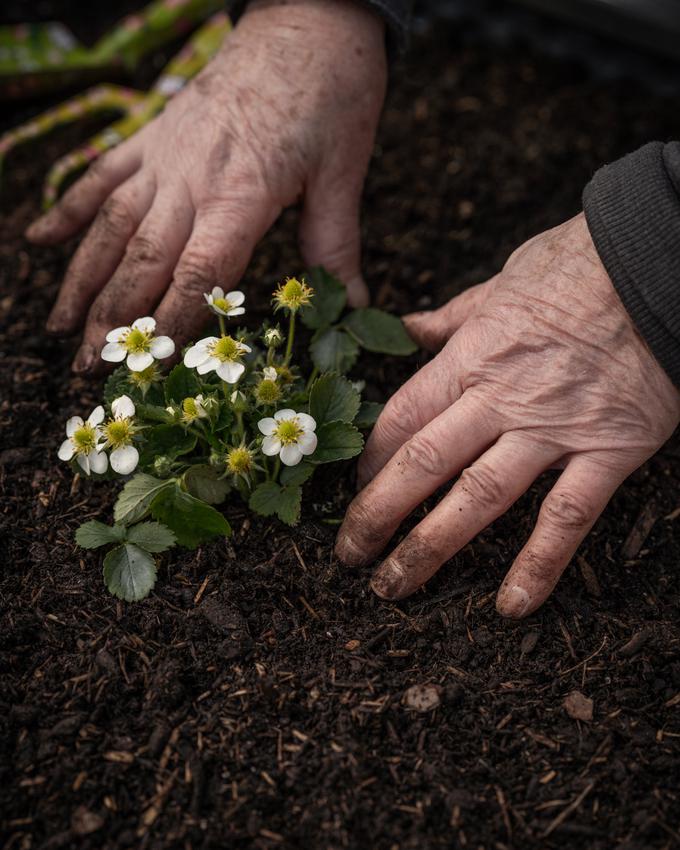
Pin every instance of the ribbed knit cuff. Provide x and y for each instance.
(395, 13)
(633, 213)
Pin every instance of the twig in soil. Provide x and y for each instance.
(564, 814)
(640, 531)
(585, 660)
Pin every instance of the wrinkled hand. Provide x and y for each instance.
(286, 111)
(540, 367)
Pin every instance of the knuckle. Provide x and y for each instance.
(483, 485)
(145, 250)
(194, 275)
(116, 216)
(567, 509)
(423, 454)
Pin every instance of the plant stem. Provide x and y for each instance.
(277, 468)
(223, 327)
(291, 337)
(312, 377)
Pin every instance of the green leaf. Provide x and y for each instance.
(337, 441)
(330, 297)
(181, 383)
(136, 496)
(118, 383)
(152, 413)
(169, 440)
(270, 498)
(333, 350)
(152, 536)
(93, 534)
(129, 572)
(378, 331)
(368, 414)
(192, 520)
(203, 482)
(333, 398)
(296, 475)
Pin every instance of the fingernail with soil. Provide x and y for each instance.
(348, 552)
(85, 359)
(388, 580)
(515, 601)
(35, 230)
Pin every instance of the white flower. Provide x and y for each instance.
(138, 344)
(192, 409)
(118, 434)
(225, 305)
(289, 435)
(222, 355)
(270, 373)
(83, 441)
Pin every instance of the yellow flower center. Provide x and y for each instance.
(223, 304)
(226, 348)
(293, 294)
(239, 460)
(84, 439)
(289, 431)
(118, 432)
(267, 392)
(146, 377)
(136, 341)
(191, 410)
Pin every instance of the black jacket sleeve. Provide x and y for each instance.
(397, 15)
(633, 212)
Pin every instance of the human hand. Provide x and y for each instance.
(286, 111)
(541, 367)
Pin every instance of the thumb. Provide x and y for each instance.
(329, 237)
(432, 329)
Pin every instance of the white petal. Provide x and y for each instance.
(306, 421)
(113, 352)
(245, 348)
(270, 373)
(84, 463)
(235, 298)
(267, 425)
(195, 355)
(123, 407)
(66, 450)
(116, 334)
(291, 455)
(207, 297)
(161, 347)
(217, 292)
(96, 417)
(218, 310)
(139, 360)
(209, 366)
(72, 425)
(307, 442)
(271, 446)
(286, 413)
(236, 311)
(230, 371)
(147, 324)
(124, 459)
(98, 462)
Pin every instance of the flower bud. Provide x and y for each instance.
(216, 460)
(239, 401)
(162, 465)
(273, 338)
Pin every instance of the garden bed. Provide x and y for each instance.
(256, 699)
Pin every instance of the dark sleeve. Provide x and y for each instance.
(633, 212)
(396, 13)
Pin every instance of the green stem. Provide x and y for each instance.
(291, 337)
(312, 377)
(277, 468)
(223, 327)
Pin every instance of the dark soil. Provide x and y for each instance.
(256, 699)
